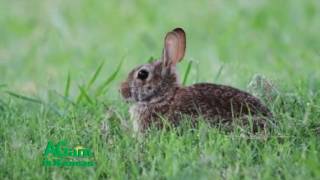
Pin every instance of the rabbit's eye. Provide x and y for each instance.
(143, 74)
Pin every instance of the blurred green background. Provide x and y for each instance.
(41, 41)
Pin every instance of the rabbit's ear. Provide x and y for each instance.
(174, 47)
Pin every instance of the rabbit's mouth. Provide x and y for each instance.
(138, 94)
(142, 94)
(134, 94)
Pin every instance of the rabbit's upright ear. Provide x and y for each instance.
(174, 47)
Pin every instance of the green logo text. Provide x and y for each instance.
(60, 154)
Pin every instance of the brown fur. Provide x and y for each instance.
(161, 95)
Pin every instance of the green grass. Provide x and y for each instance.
(61, 63)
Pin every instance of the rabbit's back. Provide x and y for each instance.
(214, 101)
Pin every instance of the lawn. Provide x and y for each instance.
(61, 63)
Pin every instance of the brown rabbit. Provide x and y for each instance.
(156, 92)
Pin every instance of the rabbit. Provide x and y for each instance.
(155, 93)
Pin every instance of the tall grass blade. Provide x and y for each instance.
(151, 59)
(186, 74)
(103, 86)
(95, 76)
(219, 73)
(64, 98)
(92, 80)
(33, 100)
(67, 88)
(84, 94)
(24, 97)
(55, 109)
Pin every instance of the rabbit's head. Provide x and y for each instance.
(156, 80)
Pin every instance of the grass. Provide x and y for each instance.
(61, 63)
